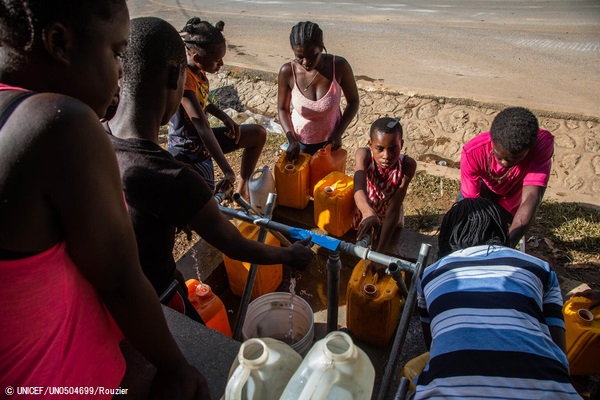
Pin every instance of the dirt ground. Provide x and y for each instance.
(429, 197)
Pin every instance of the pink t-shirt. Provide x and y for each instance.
(54, 329)
(533, 170)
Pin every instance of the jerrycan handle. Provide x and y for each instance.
(259, 172)
(240, 376)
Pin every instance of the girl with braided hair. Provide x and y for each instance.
(191, 138)
(68, 256)
(313, 84)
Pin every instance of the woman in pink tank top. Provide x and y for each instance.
(313, 84)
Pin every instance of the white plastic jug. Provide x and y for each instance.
(333, 369)
(260, 184)
(262, 369)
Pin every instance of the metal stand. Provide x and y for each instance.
(334, 265)
(262, 235)
(404, 322)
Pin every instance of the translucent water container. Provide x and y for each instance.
(325, 161)
(335, 368)
(268, 277)
(373, 305)
(260, 184)
(281, 316)
(334, 203)
(292, 181)
(582, 336)
(209, 306)
(261, 370)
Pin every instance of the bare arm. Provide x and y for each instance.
(558, 337)
(409, 167)
(348, 84)
(530, 202)
(369, 217)
(426, 334)
(198, 118)
(222, 234)
(284, 99)
(85, 190)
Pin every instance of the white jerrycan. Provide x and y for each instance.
(260, 184)
(333, 369)
(262, 369)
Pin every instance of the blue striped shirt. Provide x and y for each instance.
(489, 309)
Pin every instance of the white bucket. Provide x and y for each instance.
(269, 316)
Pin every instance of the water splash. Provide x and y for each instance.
(290, 334)
(193, 252)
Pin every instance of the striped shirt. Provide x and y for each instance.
(489, 310)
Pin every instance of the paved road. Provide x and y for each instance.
(543, 54)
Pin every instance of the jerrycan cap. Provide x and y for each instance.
(585, 316)
(330, 190)
(370, 291)
(203, 290)
(290, 168)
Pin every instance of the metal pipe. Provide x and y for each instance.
(344, 247)
(394, 272)
(248, 207)
(262, 235)
(402, 389)
(334, 265)
(404, 322)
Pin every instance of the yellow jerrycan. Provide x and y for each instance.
(268, 277)
(325, 161)
(373, 305)
(334, 203)
(582, 322)
(292, 181)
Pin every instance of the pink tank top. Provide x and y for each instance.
(315, 120)
(381, 185)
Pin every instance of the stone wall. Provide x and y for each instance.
(435, 129)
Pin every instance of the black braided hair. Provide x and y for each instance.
(306, 34)
(515, 128)
(154, 44)
(23, 21)
(201, 36)
(472, 222)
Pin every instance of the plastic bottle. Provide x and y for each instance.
(209, 306)
(325, 161)
(582, 336)
(261, 370)
(260, 184)
(268, 277)
(292, 181)
(334, 368)
(334, 203)
(372, 306)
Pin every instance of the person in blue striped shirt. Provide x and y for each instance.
(492, 316)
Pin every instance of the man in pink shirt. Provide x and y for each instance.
(510, 164)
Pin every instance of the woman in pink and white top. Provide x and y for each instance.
(313, 84)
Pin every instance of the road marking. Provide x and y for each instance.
(556, 44)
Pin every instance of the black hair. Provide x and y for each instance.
(386, 125)
(307, 34)
(23, 21)
(472, 222)
(515, 128)
(201, 36)
(220, 25)
(154, 45)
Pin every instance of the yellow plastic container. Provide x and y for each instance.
(334, 203)
(413, 368)
(268, 277)
(292, 181)
(373, 306)
(582, 336)
(325, 161)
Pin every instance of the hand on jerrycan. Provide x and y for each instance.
(300, 254)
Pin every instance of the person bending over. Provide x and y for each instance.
(511, 165)
(491, 315)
